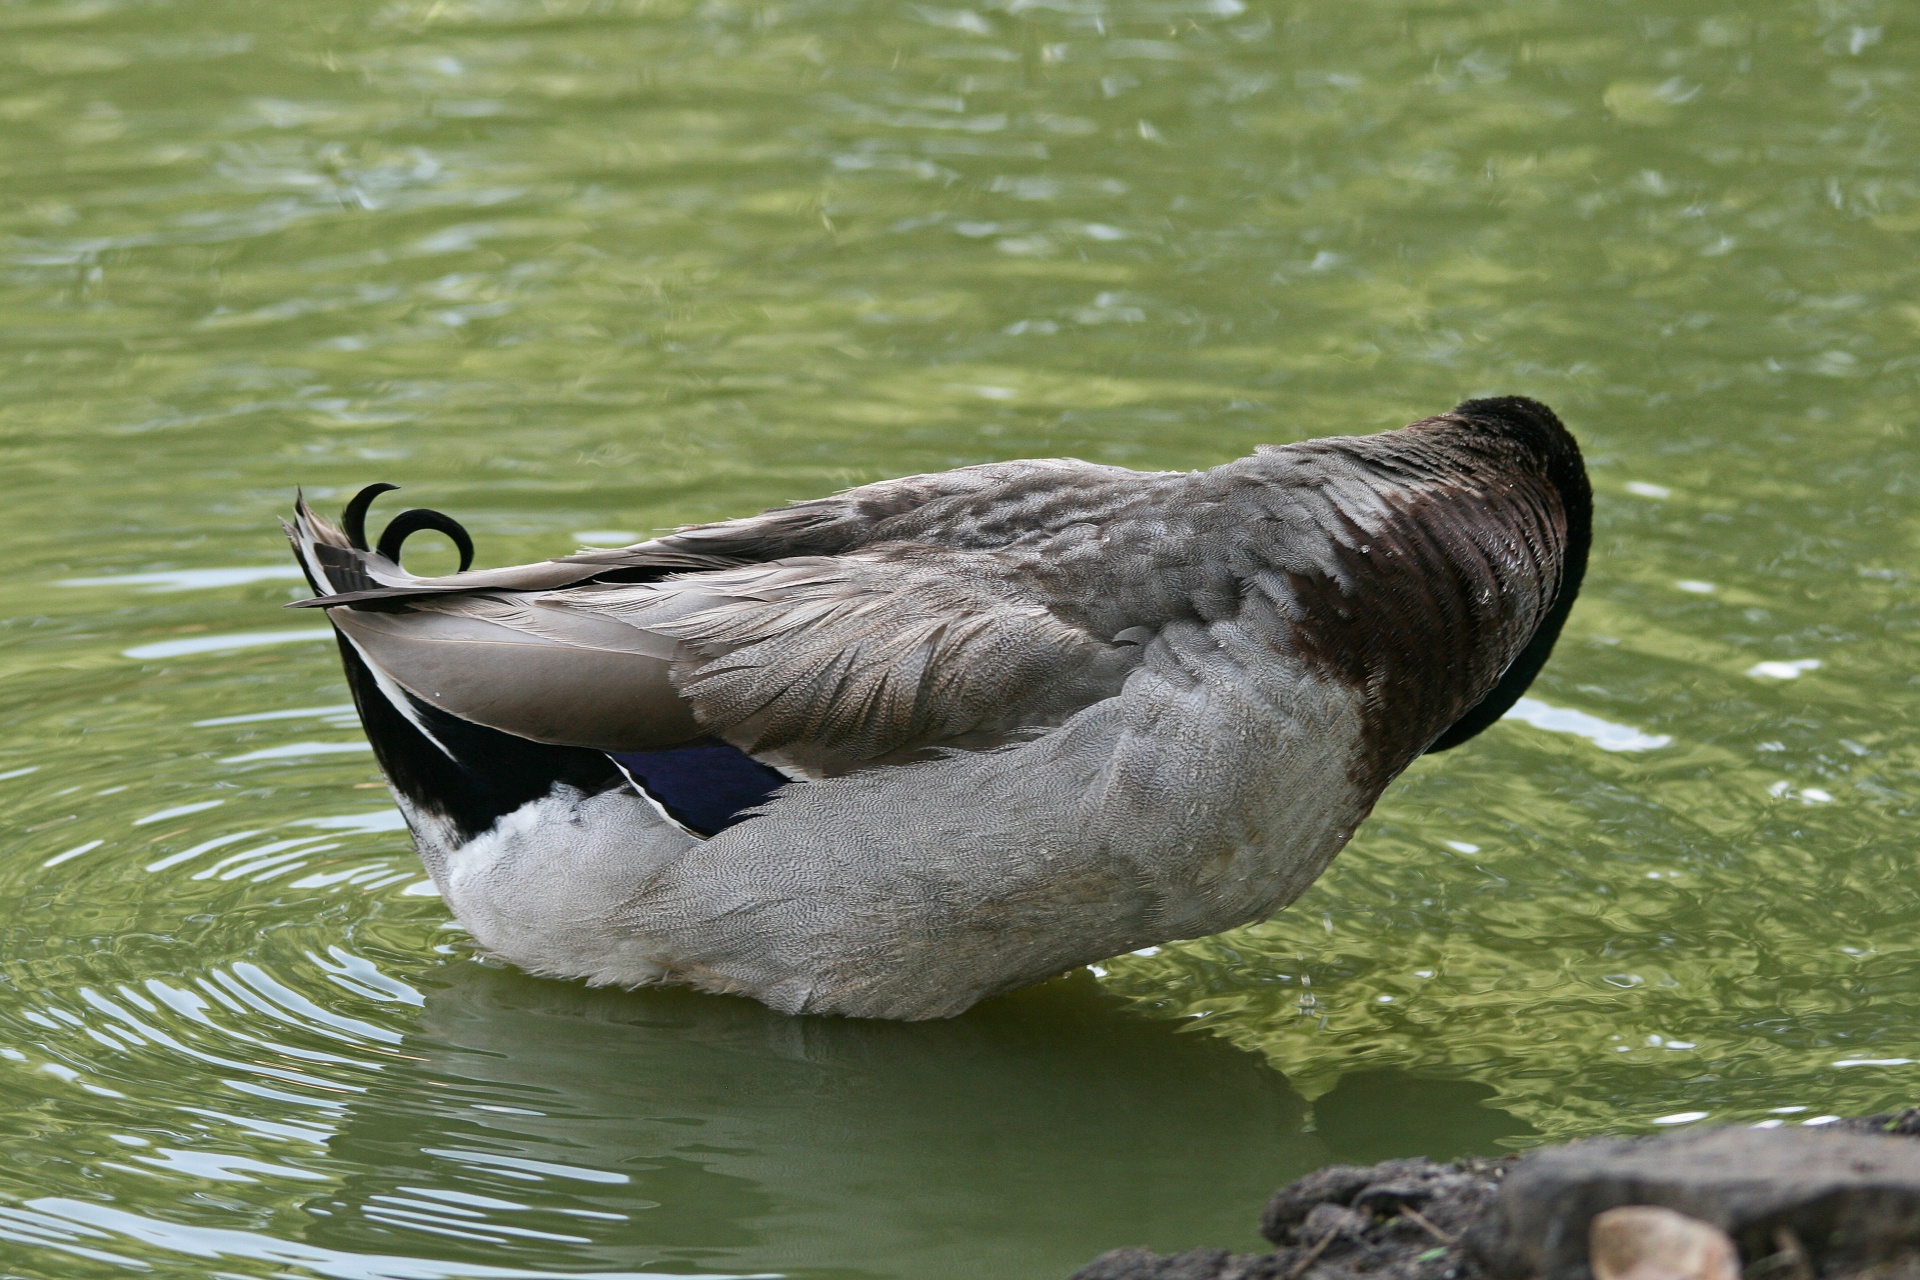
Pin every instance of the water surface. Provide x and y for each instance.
(576, 270)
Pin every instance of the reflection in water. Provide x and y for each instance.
(190, 579)
(671, 1129)
(1601, 733)
(400, 1132)
(80, 1231)
(224, 644)
(1383, 1115)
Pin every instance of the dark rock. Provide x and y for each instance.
(1194, 1264)
(1898, 1124)
(1400, 1220)
(1335, 1184)
(1841, 1202)
(1330, 1220)
(1120, 1264)
(1450, 1196)
(1847, 1199)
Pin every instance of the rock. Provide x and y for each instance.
(1335, 1184)
(1642, 1242)
(1329, 1221)
(1194, 1264)
(1394, 1221)
(1903, 1124)
(1449, 1196)
(1849, 1199)
(1840, 1202)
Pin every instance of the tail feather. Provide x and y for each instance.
(337, 560)
(332, 563)
(343, 571)
(454, 779)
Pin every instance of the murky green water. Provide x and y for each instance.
(577, 269)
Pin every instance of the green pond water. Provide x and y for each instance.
(576, 270)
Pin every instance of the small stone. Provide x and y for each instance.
(1645, 1242)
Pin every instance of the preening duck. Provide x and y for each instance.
(887, 753)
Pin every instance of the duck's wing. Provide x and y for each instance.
(970, 507)
(777, 632)
(823, 665)
(816, 664)
(530, 662)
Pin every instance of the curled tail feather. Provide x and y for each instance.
(337, 559)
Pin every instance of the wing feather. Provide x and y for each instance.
(824, 665)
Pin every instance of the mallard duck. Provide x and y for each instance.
(887, 753)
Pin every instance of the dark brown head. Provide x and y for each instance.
(1532, 427)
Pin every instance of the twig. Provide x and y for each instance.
(1788, 1243)
(1443, 1237)
(1319, 1247)
(1771, 1265)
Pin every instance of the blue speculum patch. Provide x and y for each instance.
(704, 785)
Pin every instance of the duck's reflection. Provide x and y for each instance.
(553, 1126)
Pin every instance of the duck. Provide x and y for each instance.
(891, 752)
